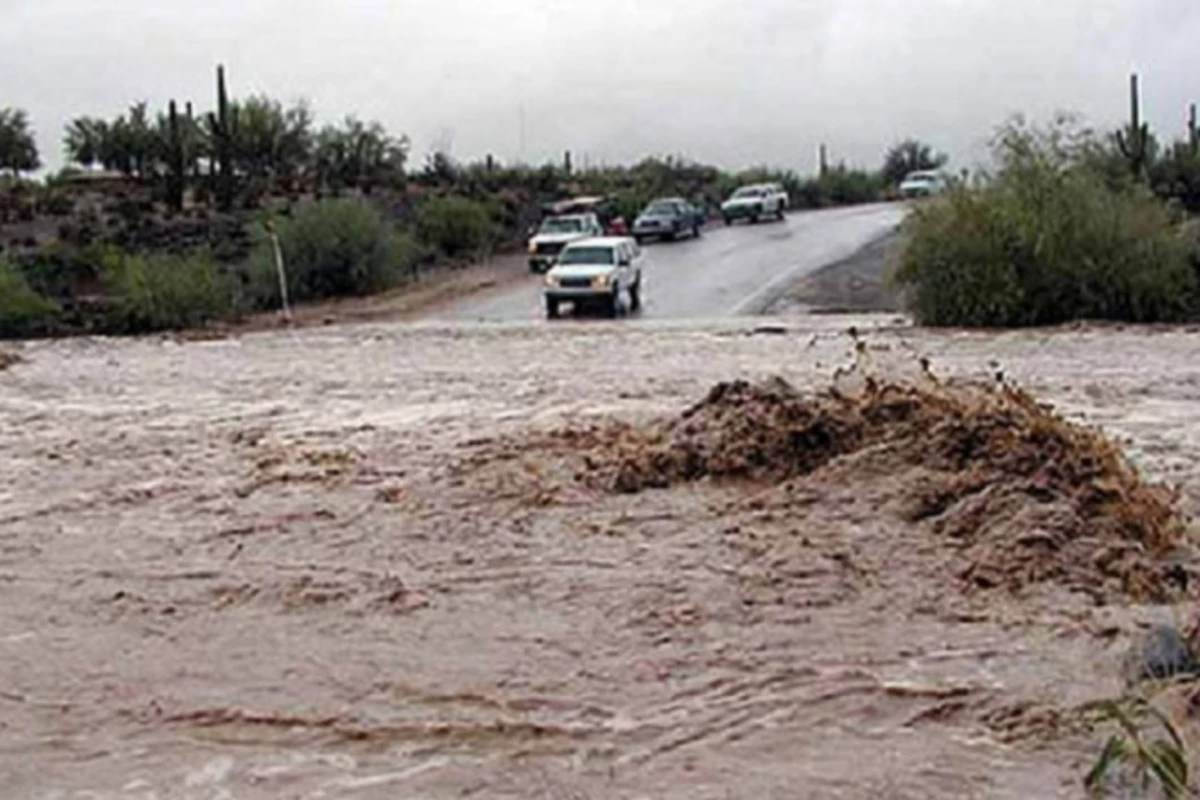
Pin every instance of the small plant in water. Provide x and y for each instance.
(1159, 761)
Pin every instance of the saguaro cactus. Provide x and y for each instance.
(221, 123)
(1134, 141)
(194, 146)
(176, 160)
(1193, 131)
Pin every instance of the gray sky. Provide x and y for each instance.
(733, 82)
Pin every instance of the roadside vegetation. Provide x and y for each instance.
(160, 220)
(1071, 225)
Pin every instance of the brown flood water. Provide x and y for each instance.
(320, 564)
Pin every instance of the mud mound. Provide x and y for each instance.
(8, 359)
(1027, 495)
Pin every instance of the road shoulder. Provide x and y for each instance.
(858, 284)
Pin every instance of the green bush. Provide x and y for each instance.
(1046, 240)
(23, 312)
(331, 248)
(455, 226)
(160, 292)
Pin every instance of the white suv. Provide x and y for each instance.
(555, 233)
(755, 202)
(595, 272)
(924, 183)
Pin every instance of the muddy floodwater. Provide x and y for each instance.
(324, 564)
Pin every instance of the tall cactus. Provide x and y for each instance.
(1193, 131)
(176, 160)
(222, 123)
(1134, 141)
(194, 146)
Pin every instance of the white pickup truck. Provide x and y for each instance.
(595, 272)
(755, 202)
(556, 233)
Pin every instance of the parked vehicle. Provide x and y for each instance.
(595, 272)
(668, 218)
(555, 233)
(755, 202)
(922, 184)
(605, 208)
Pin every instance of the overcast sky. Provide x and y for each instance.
(734, 82)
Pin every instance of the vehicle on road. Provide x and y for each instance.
(595, 272)
(922, 184)
(668, 218)
(755, 202)
(555, 233)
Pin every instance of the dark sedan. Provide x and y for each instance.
(668, 218)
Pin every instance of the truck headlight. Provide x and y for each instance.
(600, 282)
(551, 280)
(532, 248)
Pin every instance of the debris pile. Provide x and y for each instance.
(1027, 495)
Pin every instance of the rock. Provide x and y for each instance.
(1162, 653)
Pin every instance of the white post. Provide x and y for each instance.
(283, 290)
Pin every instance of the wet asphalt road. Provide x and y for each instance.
(726, 272)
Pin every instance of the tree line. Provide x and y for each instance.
(244, 149)
(240, 150)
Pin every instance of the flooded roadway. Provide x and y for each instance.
(306, 565)
(726, 272)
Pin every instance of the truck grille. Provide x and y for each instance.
(575, 283)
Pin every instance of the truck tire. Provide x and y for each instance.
(779, 213)
(612, 303)
(551, 308)
(728, 220)
(635, 295)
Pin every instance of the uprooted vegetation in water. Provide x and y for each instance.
(8, 359)
(1028, 496)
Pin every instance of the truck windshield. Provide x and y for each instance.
(661, 208)
(560, 225)
(587, 255)
(748, 191)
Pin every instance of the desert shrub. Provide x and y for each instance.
(455, 226)
(161, 291)
(1177, 176)
(845, 186)
(1045, 240)
(23, 312)
(58, 270)
(331, 248)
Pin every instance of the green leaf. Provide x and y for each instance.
(1113, 752)
(1170, 767)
